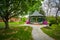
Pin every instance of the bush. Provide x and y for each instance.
(53, 26)
(51, 20)
(24, 19)
(58, 19)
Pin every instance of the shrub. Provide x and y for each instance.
(51, 20)
(24, 19)
(58, 19)
(53, 26)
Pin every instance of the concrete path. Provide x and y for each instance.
(38, 34)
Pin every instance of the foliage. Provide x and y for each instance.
(58, 19)
(41, 11)
(16, 33)
(51, 20)
(11, 8)
(53, 26)
(23, 19)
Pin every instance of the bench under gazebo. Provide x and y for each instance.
(36, 18)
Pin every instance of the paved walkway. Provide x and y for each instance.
(38, 34)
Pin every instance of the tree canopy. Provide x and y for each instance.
(11, 8)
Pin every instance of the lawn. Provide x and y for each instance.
(53, 31)
(15, 32)
(11, 24)
(15, 23)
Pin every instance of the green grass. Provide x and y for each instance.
(1, 25)
(16, 33)
(15, 23)
(11, 24)
(53, 31)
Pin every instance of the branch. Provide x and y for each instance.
(14, 9)
(15, 14)
(2, 17)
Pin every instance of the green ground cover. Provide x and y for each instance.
(15, 32)
(53, 31)
(11, 24)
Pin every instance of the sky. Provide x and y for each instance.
(50, 7)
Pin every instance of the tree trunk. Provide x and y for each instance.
(6, 24)
(56, 18)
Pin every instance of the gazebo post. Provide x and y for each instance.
(36, 19)
(29, 19)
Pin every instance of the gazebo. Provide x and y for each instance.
(36, 17)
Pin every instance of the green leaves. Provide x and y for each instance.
(11, 8)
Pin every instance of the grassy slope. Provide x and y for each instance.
(51, 32)
(15, 32)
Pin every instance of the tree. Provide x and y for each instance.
(42, 12)
(11, 8)
(51, 7)
(58, 6)
(8, 9)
